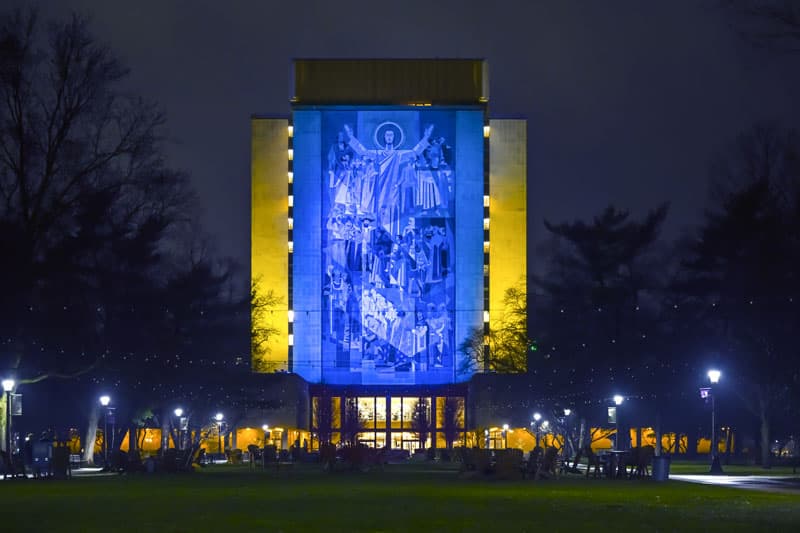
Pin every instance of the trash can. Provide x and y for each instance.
(661, 467)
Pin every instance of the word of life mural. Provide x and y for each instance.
(387, 242)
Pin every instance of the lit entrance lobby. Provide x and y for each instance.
(393, 420)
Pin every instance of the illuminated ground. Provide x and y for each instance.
(768, 483)
(402, 498)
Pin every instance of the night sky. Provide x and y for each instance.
(625, 105)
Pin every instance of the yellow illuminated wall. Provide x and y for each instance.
(269, 235)
(507, 210)
(521, 438)
(148, 441)
(704, 445)
(249, 436)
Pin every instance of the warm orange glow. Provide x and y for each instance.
(74, 443)
(674, 443)
(522, 439)
(704, 445)
(602, 438)
(249, 436)
(148, 441)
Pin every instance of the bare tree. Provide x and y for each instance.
(674, 443)
(452, 420)
(322, 413)
(91, 435)
(262, 330)
(352, 424)
(421, 422)
(504, 348)
(81, 172)
(773, 25)
(598, 434)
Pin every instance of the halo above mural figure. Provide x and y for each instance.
(388, 134)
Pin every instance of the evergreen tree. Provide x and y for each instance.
(741, 274)
(595, 306)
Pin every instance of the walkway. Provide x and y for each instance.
(78, 472)
(784, 484)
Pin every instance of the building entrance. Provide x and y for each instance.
(393, 421)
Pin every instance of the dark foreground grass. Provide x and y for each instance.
(232, 500)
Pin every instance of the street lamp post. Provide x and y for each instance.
(618, 399)
(565, 427)
(104, 401)
(8, 386)
(716, 467)
(178, 414)
(535, 423)
(219, 417)
(505, 436)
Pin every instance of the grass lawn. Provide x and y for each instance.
(403, 498)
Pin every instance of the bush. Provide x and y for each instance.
(235, 456)
(327, 456)
(270, 454)
(169, 462)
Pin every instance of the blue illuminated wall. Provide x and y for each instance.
(388, 242)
